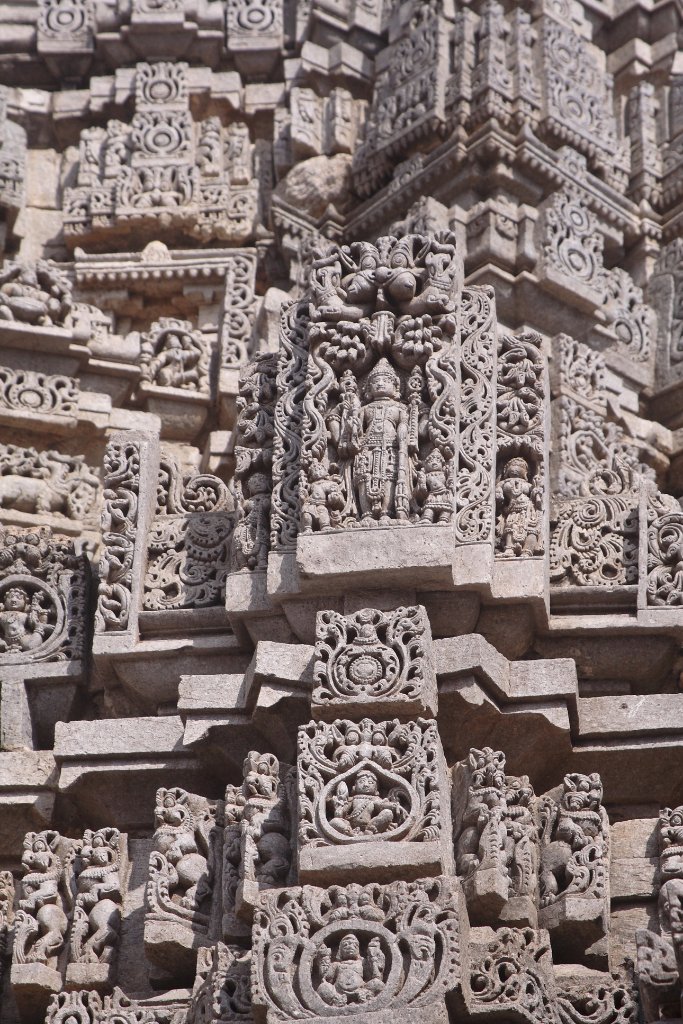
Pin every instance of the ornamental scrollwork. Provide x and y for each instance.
(373, 658)
(368, 780)
(322, 952)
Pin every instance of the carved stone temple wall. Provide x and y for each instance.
(341, 542)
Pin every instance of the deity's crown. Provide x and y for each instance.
(518, 464)
(384, 371)
(434, 461)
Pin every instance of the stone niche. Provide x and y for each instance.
(406, 442)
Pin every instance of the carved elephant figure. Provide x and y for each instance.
(28, 494)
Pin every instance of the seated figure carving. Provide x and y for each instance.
(37, 294)
(24, 622)
(363, 810)
(348, 976)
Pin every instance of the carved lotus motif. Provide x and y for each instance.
(374, 672)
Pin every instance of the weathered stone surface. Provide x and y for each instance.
(341, 541)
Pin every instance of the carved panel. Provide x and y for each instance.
(376, 783)
(222, 989)
(182, 876)
(665, 292)
(572, 244)
(6, 915)
(612, 1000)
(96, 926)
(173, 355)
(594, 540)
(326, 952)
(44, 911)
(577, 95)
(323, 124)
(672, 156)
(40, 482)
(380, 427)
(646, 149)
(632, 320)
(594, 527)
(164, 170)
(497, 839)
(659, 956)
(189, 542)
(474, 490)
(257, 845)
(238, 311)
(65, 23)
(513, 974)
(12, 158)
(521, 490)
(89, 1007)
(38, 393)
(119, 529)
(574, 872)
(43, 598)
(252, 482)
(409, 96)
(36, 293)
(374, 662)
(288, 423)
(492, 80)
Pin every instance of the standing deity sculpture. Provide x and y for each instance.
(374, 437)
(380, 432)
(518, 499)
(250, 536)
(432, 490)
